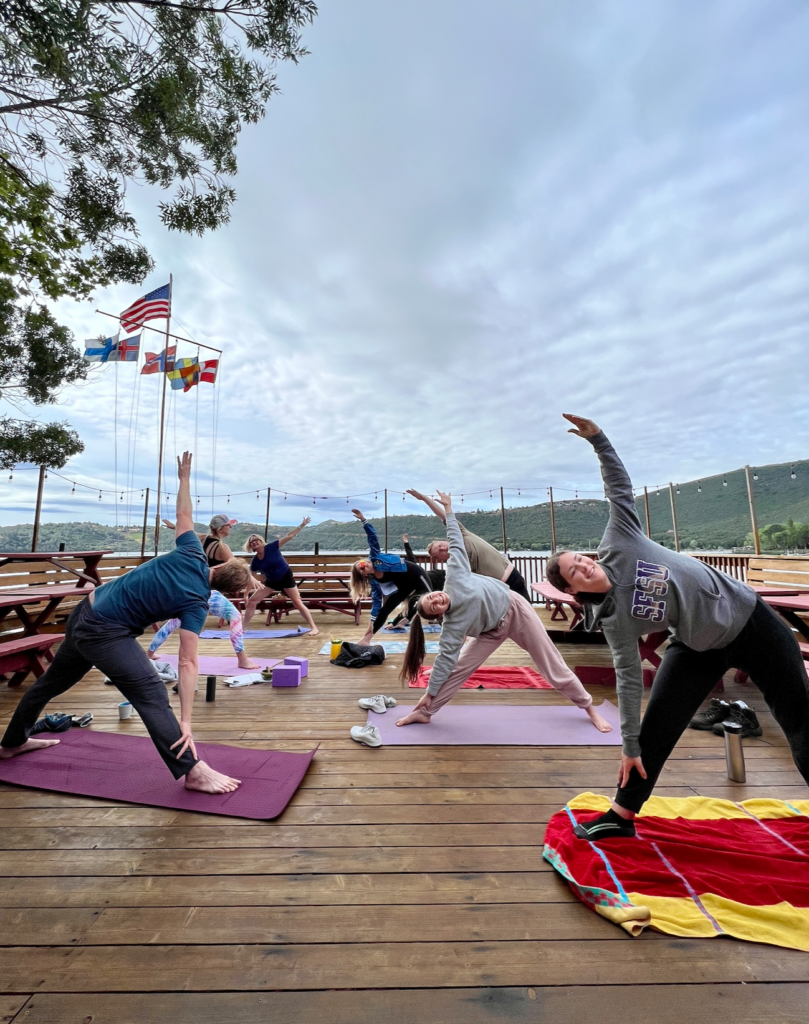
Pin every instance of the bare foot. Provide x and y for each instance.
(313, 631)
(7, 752)
(247, 663)
(415, 716)
(153, 655)
(204, 779)
(600, 723)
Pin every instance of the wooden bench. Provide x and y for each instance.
(784, 575)
(27, 654)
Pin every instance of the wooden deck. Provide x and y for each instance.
(401, 885)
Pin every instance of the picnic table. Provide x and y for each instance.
(559, 599)
(52, 596)
(789, 605)
(56, 558)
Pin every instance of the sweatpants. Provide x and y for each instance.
(516, 582)
(114, 649)
(522, 625)
(766, 650)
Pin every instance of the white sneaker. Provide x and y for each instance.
(377, 703)
(390, 702)
(367, 734)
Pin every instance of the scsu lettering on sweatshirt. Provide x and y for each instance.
(651, 587)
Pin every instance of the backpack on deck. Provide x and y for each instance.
(358, 656)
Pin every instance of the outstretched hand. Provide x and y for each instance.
(445, 500)
(184, 466)
(306, 521)
(358, 514)
(582, 427)
(416, 494)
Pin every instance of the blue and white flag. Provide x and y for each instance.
(99, 350)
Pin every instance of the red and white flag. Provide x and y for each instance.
(208, 370)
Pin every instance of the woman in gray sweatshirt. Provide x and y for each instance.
(485, 610)
(718, 623)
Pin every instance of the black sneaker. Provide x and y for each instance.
(744, 716)
(717, 711)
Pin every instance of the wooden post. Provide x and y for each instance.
(503, 519)
(674, 518)
(752, 504)
(553, 523)
(163, 422)
(38, 511)
(386, 519)
(145, 524)
(267, 518)
(648, 517)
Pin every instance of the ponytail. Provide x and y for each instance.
(360, 585)
(414, 655)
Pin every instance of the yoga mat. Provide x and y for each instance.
(506, 725)
(209, 666)
(253, 634)
(119, 767)
(391, 646)
(494, 677)
(430, 627)
(699, 867)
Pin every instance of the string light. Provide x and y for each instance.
(11, 477)
(256, 495)
(724, 481)
(793, 475)
(74, 489)
(99, 495)
(285, 496)
(699, 486)
(677, 488)
(755, 475)
(122, 496)
(314, 502)
(228, 499)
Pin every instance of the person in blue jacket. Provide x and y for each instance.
(397, 579)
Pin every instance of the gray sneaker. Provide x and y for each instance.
(377, 703)
(367, 734)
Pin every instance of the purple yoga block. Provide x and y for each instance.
(286, 675)
(302, 663)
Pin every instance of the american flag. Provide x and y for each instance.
(154, 306)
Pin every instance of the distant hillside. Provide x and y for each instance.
(710, 515)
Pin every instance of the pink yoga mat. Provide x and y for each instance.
(210, 666)
(518, 725)
(129, 768)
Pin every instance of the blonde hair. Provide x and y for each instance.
(230, 578)
(254, 536)
(430, 546)
(360, 585)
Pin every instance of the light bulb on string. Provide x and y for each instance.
(11, 477)
(228, 499)
(792, 474)
(699, 486)
(74, 488)
(755, 475)
(462, 499)
(724, 481)
(256, 495)
(677, 488)
(122, 496)
(375, 493)
(99, 495)
(314, 501)
(285, 496)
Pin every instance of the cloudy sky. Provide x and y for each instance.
(459, 220)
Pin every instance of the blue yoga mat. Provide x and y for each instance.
(430, 627)
(253, 634)
(391, 646)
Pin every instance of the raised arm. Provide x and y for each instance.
(407, 549)
(295, 532)
(370, 533)
(185, 510)
(617, 485)
(432, 505)
(458, 558)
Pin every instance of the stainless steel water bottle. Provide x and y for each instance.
(734, 752)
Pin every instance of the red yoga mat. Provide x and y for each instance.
(495, 677)
(129, 768)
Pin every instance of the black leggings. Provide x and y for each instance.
(766, 650)
(516, 583)
(114, 649)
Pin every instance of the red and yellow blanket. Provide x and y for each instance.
(698, 867)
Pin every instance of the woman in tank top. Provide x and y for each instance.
(213, 542)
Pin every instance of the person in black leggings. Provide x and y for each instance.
(436, 577)
(717, 623)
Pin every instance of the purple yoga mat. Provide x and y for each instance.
(129, 768)
(497, 725)
(209, 666)
(253, 634)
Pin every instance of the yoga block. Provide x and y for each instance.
(303, 663)
(286, 675)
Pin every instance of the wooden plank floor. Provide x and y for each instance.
(401, 884)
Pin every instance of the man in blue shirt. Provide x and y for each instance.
(103, 631)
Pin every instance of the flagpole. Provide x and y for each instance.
(162, 422)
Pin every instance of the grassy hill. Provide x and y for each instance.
(711, 513)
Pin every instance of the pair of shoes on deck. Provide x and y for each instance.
(379, 703)
(719, 711)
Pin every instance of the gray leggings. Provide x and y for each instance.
(114, 649)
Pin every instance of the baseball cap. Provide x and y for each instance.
(219, 521)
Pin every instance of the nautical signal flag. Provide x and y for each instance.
(208, 371)
(184, 375)
(157, 362)
(154, 306)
